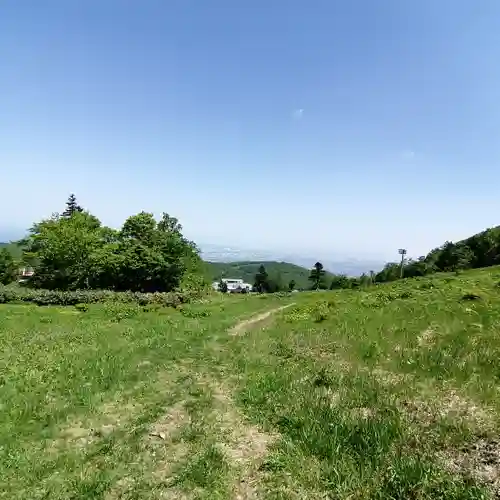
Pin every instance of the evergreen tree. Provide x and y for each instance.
(71, 206)
(261, 283)
(291, 285)
(317, 276)
(222, 286)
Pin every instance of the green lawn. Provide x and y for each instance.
(390, 393)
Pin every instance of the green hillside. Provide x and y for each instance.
(477, 251)
(246, 270)
(387, 394)
(13, 248)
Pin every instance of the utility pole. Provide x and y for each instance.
(402, 252)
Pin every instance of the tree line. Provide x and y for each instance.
(73, 251)
(477, 251)
(318, 279)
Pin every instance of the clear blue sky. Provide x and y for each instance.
(344, 127)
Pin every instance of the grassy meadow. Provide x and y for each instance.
(388, 393)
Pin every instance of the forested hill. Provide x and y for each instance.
(246, 270)
(14, 249)
(479, 250)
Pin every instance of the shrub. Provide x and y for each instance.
(72, 298)
(321, 311)
(117, 311)
(427, 285)
(190, 312)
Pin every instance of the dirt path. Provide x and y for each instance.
(245, 325)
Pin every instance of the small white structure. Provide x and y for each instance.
(234, 285)
(25, 274)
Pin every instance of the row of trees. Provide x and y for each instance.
(73, 250)
(480, 250)
(318, 278)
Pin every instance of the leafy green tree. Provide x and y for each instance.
(8, 268)
(419, 267)
(60, 248)
(261, 283)
(365, 280)
(169, 224)
(153, 258)
(71, 206)
(316, 276)
(390, 272)
(76, 252)
(291, 285)
(464, 257)
(340, 281)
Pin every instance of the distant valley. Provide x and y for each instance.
(349, 267)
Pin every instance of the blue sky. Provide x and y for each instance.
(346, 128)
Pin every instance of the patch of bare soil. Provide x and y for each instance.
(170, 422)
(245, 325)
(480, 460)
(449, 404)
(426, 338)
(79, 434)
(387, 377)
(245, 445)
(161, 446)
(159, 452)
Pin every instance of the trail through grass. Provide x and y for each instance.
(390, 393)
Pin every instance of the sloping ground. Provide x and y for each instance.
(245, 324)
(387, 393)
(284, 271)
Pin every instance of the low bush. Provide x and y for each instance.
(60, 298)
(321, 311)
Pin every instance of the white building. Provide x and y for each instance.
(233, 285)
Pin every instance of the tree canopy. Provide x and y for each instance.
(479, 250)
(8, 268)
(75, 252)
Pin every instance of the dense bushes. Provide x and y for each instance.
(67, 298)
